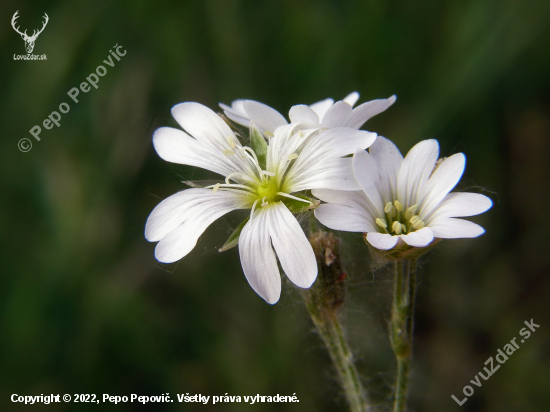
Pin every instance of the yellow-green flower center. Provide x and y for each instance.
(267, 190)
(266, 186)
(398, 221)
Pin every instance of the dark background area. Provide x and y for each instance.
(84, 306)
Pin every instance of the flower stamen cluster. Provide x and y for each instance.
(263, 187)
(397, 222)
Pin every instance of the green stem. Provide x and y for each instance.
(323, 301)
(402, 324)
(330, 329)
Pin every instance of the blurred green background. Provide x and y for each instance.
(84, 306)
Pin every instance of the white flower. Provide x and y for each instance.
(262, 182)
(325, 113)
(404, 200)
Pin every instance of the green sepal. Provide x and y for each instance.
(296, 207)
(259, 145)
(233, 239)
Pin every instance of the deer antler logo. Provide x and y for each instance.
(29, 40)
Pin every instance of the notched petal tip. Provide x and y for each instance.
(401, 250)
(420, 238)
(381, 241)
(351, 98)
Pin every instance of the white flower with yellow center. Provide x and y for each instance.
(404, 201)
(266, 180)
(323, 114)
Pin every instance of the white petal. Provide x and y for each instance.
(176, 146)
(291, 245)
(337, 115)
(353, 199)
(388, 159)
(351, 98)
(345, 218)
(365, 111)
(343, 141)
(367, 175)
(382, 241)
(332, 173)
(302, 113)
(451, 228)
(169, 214)
(284, 143)
(236, 112)
(321, 107)
(341, 197)
(202, 123)
(258, 259)
(175, 209)
(461, 204)
(264, 116)
(187, 220)
(442, 181)
(319, 165)
(419, 238)
(415, 170)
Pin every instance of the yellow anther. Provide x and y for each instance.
(231, 142)
(388, 208)
(398, 205)
(293, 156)
(418, 225)
(396, 227)
(414, 219)
(381, 222)
(216, 187)
(411, 211)
(228, 152)
(403, 228)
(268, 134)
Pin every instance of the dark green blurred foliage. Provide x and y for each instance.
(85, 308)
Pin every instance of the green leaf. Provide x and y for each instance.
(259, 145)
(233, 239)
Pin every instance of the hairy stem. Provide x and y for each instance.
(323, 301)
(330, 329)
(402, 324)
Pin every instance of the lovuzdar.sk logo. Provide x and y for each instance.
(29, 40)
